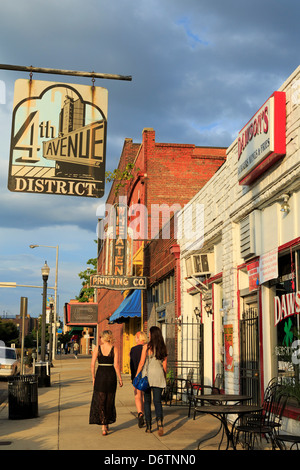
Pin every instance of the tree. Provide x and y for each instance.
(64, 338)
(9, 332)
(87, 292)
(120, 177)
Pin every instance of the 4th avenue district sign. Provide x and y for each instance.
(58, 139)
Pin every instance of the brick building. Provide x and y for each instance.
(165, 177)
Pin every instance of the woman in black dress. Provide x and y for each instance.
(103, 410)
(135, 356)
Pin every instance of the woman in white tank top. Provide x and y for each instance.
(154, 357)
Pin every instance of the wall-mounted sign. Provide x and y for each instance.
(268, 266)
(81, 313)
(118, 282)
(263, 139)
(253, 275)
(58, 139)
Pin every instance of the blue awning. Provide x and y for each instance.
(129, 308)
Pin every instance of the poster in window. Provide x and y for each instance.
(228, 343)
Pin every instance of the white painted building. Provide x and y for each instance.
(251, 226)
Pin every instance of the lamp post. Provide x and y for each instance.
(55, 292)
(51, 330)
(45, 275)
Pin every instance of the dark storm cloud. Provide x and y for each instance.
(200, 68)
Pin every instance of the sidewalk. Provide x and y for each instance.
(63, 422)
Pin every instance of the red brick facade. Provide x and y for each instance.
(163, 174)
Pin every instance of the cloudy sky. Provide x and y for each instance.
(200, 69)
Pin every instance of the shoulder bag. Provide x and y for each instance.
(139, 382)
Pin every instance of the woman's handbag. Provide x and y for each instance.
(141, 383)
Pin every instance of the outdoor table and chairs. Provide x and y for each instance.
(218, 399)
(221, 412)
(266, 424)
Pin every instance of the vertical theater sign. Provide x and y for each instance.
(58, 139)
(119, 246)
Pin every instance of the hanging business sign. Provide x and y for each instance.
(81, 313)
(262, 141)
(58, 139)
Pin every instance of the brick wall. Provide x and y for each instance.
(164, 174)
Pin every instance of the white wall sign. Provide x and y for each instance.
(262, 141)
(268, 266)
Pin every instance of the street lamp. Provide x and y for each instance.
(51, 303)
(55, 292)
(197, 312)
(45, 275)
(208, 309)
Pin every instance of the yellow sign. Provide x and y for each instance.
(58, 142)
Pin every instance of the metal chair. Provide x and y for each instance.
(177, 391)
(269, 394)
(268, 422)
(282, 440)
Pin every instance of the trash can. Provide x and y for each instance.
(22, 397)
(42, 370)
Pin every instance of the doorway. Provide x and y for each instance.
(249, 350)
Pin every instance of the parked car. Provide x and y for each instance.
(9, 362)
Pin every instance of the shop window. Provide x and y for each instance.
(287, 317)
(163, 292)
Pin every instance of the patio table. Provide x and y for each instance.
(219, 399)
(221, 412)
(223, 398)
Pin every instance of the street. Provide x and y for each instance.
(3, 389)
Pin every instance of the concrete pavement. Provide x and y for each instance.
(63, 421)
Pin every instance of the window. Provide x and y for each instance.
(286, 316)
(164, 291)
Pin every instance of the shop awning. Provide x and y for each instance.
(76, 329)
(129, 308)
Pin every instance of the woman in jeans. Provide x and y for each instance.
(154, 357)
(135, 357)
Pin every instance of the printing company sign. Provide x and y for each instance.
(263, 139)
(58, 139)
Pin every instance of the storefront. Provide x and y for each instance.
(248, 294)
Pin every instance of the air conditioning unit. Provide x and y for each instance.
(199, 265)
